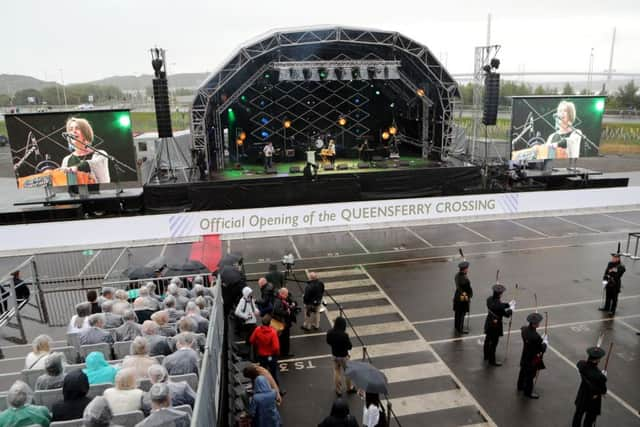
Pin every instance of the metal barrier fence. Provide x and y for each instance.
(206, 409)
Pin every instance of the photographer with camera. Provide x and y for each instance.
(288, 261)
(312, 300)
(275, 277)
(285, 311)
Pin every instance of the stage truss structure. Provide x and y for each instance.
(417, 77)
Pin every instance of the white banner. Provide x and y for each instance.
(284, 220)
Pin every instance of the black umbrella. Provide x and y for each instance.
(230, 275)
(137, 272)
(186, 268)
(366, 377)
(230, 259)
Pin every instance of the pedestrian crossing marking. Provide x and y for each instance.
(393, 348)
(341, 284)
(429, 402)
(338, 273)
(382, 328)
(362, 296)
(415, 372)
(353, 313)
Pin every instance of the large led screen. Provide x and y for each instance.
(71, 148)
(556, 127)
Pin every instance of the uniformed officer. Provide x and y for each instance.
(533, 349)
(592, 387)
(462, 296)
(493, 323)
(612, 283)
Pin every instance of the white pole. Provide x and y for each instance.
(64, 91)
(488, 30)
(610, 70)
(590, 73)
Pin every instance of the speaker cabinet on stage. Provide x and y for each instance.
(163, 109)
(328, 167)
(491, 98)
(363, 165)
(271, 171)
(295, 169)
(403, 163)
(342, 166)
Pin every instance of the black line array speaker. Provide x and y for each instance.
(328, 167)
(163, 109)
(491, 98)
(342, 166)
(271, 171)
(363, 165)
(295, 169)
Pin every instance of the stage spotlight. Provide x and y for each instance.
(342, 121)
(420, 91)
(385, 135)
(322, 73)
(243, 135)
(339, 73)
(495, 63)
(355, 73)
(287, 124)
(243, 98)
(377, 92)
(306, 72)
(487, 68)
(393, 130)
(239, 141)
(371, 71)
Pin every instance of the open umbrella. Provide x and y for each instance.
(366, 377)
(186, 268)
(230, 259)
(138, 272)
(230, 275)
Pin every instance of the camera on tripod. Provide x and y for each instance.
(288, 261)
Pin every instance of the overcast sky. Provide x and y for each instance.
(92, 39)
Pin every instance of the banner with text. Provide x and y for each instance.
(285, 220)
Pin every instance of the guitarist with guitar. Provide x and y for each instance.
(533, 350)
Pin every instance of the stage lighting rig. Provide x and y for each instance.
(355, 73)
(306, 72)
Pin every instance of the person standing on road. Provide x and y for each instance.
(493, 323)
(462, 296)
(340, 343)
(592, 387)
(612, 283)
(533, 349)
(312, 300)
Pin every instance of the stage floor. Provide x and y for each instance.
(283, 169)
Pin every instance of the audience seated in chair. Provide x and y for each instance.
(98, 371)
(130, 329)
(181, 300)
(41, 348)
(161, 318)
(111, 320)
(95, 334)
(107, 294)
(75, 400)
(170, 308)
(188, 325)
(181, 392)
(161, 413)
(202, 305)
(185, 359)
(20, 411)
(98, 413)
(144, 301)
(80, 321)
(152, 292)
(92, 298)
(54, 373)
(158, 345)
(124, 397)
(193, 312)
(121, 302)
(139, 359)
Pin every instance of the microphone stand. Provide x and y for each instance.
(116, 162)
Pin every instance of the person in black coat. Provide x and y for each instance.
(285, 310)
(74, 390)
(493, 323)
(592, 387)
(275, 277)
(340, 343)
(612, 282)
(267, 296)
(533, 349)
(312, 299)
(340, 416)
(462, 296)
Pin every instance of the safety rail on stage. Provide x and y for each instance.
(636, 237)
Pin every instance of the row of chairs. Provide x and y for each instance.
(49, 397)
(127, 419)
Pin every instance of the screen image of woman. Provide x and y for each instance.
(84, 158)
(566, 139)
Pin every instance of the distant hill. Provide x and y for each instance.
(126, 83)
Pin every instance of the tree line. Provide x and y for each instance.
(626, 97)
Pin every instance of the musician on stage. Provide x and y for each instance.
(332, 151)
(84, 158)
(268, 155)
(363, 154)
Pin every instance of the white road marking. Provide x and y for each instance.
(295, 248)
(429, 402)
(342, 284)
(475, 232)
(419, 237)
(528, 228)
(353, 236)
(579, 225)
(415, 372)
